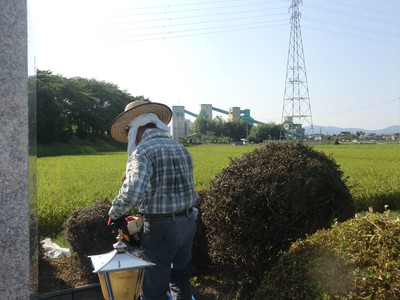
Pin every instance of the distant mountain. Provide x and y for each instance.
(330, 130)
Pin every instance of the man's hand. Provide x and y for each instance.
(118, 223)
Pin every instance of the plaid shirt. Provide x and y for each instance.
(159, 178)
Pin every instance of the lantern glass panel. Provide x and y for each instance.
(125, 284)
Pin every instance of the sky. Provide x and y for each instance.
(230, 53)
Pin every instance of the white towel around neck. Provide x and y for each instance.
(141, 121)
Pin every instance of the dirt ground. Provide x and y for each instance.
(56, 274)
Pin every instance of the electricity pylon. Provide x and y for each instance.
(296, 112)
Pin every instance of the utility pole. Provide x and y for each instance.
(296, 112)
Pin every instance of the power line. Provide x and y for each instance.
(353, 15)
(197, 3)
(368, 30)
(173, 34)
(352, 35)
(169, 22)
(139, 23)
(356, 108)
(168, 25)
(215, 32)
(375, 33)
(365, 8)
(170, 18)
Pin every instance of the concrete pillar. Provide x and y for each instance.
(18, 220)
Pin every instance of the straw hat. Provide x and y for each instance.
(134, 109)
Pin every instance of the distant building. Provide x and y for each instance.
(344, 133)
(206, 111)
(234, 114)
(388, 137)
(180, 126)
(318, 137)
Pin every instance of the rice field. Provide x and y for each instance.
(66, 183)
(373, 172)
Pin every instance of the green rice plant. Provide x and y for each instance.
(66, 183)
(209, 160)
(373, 171)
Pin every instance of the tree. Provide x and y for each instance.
(52, 119)
(199, 126)
(97, 103)
(68, 107)
(260, 133)
(235, 130)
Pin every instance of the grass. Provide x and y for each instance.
(68, 182)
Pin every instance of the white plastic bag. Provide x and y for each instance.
(52, 250)
(135, 224)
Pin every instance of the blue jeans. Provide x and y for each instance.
(168, 244)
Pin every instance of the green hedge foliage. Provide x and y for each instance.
(264, 201)
(87, 232)
(357, 259)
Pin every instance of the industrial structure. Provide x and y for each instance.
(296, 111)
(181, 125)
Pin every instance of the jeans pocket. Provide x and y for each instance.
(160, 247)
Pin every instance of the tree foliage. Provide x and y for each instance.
(235, 130)
(80, 107)
(264, 132)
(68, 107)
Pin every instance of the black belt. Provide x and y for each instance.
(185, 212)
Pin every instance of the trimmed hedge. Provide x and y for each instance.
(87, 232)
(264, 201)
(357, 259)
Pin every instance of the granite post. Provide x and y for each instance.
(18, 217)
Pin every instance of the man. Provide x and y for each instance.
(159, 182)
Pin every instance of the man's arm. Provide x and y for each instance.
(133, 188)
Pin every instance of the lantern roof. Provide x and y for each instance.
(117, 261)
